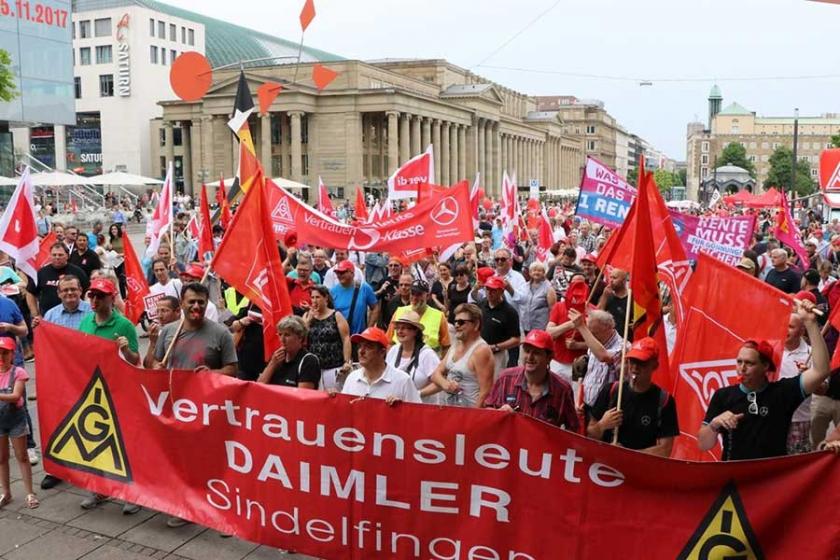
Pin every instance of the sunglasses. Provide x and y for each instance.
(94, 295)
(501, 259)
(751, 398)
(462, 322)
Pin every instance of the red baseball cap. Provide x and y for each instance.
(577, 295)
(494, 283)
(103, 285)
(371, 334)
(484, 273)
(539, 339)
(764, 349)
(589, 258)
(194, 271)
(644, 349)
(806, 295)
(345, 266)
(7, 343)
(290, 239)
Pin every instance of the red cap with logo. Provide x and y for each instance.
(7, 343)
(644, 349)
(589, 258)
(103, 285)
(484, 273)
(371, 334)
(539, 339)
(494, 283)
(577, 295)
(345, 266)
(764, 349)
(194, 271)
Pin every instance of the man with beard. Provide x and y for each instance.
(435, 327)
(401, 298)
(588, 265)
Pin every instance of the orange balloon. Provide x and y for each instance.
(190, 76)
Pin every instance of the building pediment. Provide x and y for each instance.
(484, 92)
(227, 87)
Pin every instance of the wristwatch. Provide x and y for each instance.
(496, 349)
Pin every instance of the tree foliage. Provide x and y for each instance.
(632, 176)
(835, 141)
(779, 176)
(8, 87)
(735, 154)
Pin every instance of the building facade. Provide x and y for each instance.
(760, 136)
(588, 118)
(372, 118)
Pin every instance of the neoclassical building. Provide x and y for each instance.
(373, 117)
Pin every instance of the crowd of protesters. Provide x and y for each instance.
(491, 326)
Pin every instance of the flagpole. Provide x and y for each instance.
(623, 359)
(594, 284)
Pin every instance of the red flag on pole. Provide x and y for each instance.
(46, 244)
(249, 261)
(787, 232)
(307, 14)
(205, 233)
(135, 283)
(224, 207)
(19, 229)
(361, 207)
(324, 203)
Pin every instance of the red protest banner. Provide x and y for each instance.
(355, 478)
(438, 221)
(723, 238)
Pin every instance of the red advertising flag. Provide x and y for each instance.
(224, 206)
(412, 176)
(787, 232)
(361, 207)
(45, 246)
(136, 288)
(248, 260)
(341, 477)
(19, 229)
(205, 232)
(325, 205)
(435, 222)
(307, 14)
(722, 305)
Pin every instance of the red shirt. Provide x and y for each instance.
(559, 315)
(299, 292)
(555, 405)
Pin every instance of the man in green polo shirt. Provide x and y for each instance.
(108, 323)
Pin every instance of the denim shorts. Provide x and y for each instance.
(17, 430)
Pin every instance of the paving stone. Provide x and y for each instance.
(210, 544)
(108, 519)
(269, 553)
(108, 552)
(59, 508)
(55, 546)
(155, 534)
(17, 532)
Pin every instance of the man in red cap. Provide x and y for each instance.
(194, 272)
(331, 278)
(499, 322)
(754, 416)
(532, 389)
(647, 420)
(353, 298)
(588, 263)
(376, 378)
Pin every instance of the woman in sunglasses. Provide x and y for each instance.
(754, 416)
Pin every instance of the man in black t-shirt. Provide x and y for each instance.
(647, 420)
(754, 416)
(782, 276)
(614, 299)
(83, 257)
(291, 365)
(499, 322)
(43, 296)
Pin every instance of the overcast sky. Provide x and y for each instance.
(700, 40)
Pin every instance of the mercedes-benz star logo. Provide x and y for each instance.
(445, 212)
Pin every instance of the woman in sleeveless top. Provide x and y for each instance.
(459, 371)
(541, 297)
(458, 292)
(329, 339)
(413, 357)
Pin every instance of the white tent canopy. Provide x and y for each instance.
(6, 182)
(279, 181)
(682, 204)
(118, 178)
(58, 179)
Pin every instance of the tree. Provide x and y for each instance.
(632, 176)
(664, 179)
(683, 177)
(8, 87)
(735, 154)
(835, 141)
(781, 164)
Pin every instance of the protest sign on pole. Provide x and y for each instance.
(723, 238)
(605, 198)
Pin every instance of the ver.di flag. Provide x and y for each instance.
(19, 228)
(413, 176)
(162, 219)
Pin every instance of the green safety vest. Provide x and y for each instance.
(230, 301)
(430, 320)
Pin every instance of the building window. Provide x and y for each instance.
(172, 56)
(304, 130)
(276, 134)
(161, 30)
(102, 27)
(590, 129)
(173, 32)
(704, 159)
(104, 54)
(735, 129)
(776, 145)
(814, 172)
(77, 85)
(751, 158)
(191, 40)
(177, 136)
(162, 172)
(704, 172)
(276, 166)
(84, 56)
(765, 145)
(153, 56)
(305, 165)
(106, 85)
(162, 132)
(163, 56)
(151, 27)
(704, 147)
(84, 29)
(73, 29)
(590, 145)
(183, 35)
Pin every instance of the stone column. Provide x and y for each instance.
(488, 156)
(453, 155)
(497, 157)
(426, 134)
(169, 140)
(462, 153)
(186, 144)
(205, 149)
(60, 138)
(393, 142)
(415, 136)
(472, 148)
(444, 155)
(265, 143)
(296, 151)
(381, 131)
(482, 154)
(436, 148)
(405, 147)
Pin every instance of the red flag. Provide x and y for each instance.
(412, 176)
(324, 203)
(361, 207)
(205, 233)
(545, 238)
(224, 207)
(43, 256)
(307, 14)
(135, 283)
(323, 76)
(19, 229)
(722, 304)
(249, 261)
(787, 232)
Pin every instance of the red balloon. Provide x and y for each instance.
(487, 204)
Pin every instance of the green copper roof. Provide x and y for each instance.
(225, 43)
(735, 109)
(715, 93)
